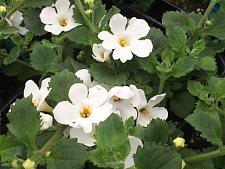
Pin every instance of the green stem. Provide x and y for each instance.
(162, 81)
(88, 22)
(206, 14)
(205, 156)
(53, 140)
(15, 8)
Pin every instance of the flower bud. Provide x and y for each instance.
(179, 142)
(47, 154)
(28, 164)
(2, 9)
(14, 164)
(208, 22)
(46, 121)
(183, 164)
(90, 3)
(88, 12)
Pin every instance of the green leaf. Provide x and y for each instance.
(81, 35)
(217, 27)
(157, 157)
(207, 122)
(183, 66)
(148, 64)
(67, 154)
(181, 19)
(112, 147)
(37, 4)
(157, 131)
(9, 148)
(32, 21)
(176, 37)
(103, 74)
(44, 59)
(182, 104)
(198, 47)
(60, 84)
(208, 63)
(99, 12)
(13, 55)
(24, 121)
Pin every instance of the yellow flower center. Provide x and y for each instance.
(63, 22)
(86, 111)
(143, 110)
(102, 55)
(117, 99)
(35, 102)
(123, 43)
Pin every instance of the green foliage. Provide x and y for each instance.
(112, 147)
(27, 127)
(157, 131)
(60, 84)
(9, 148)
(207, 122)
(44, 59)
(37, 4)
(67, 154)
(12, 56)
(104, 74)
(157, 157)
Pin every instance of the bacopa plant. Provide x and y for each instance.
(112, 92)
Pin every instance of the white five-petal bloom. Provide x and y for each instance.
(120, 98)
(100, 53)
(88, 107)
(59, 17)
(127, 39)
(46, 121)
(134, 143)
(147, 110)
(38, 95)
(84, 76)
(16, 20)
(82, 137)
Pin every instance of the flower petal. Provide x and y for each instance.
(49, 16)
(54, 29)
(129, 162)
(82, 137)
(139, 99)
(122, 53)
(123, 92)
(134, 143)
(45, 83)
(62, 6)
(31, 88)
(66, 113)
(118, 24)
(109, 41)
(127, 110)
(46, 121)
(143, 119)
(78, 94)
(86, 124)
(138, 28)
(156, 100)
(85, 76)
(22, 30)
(101, 113)
(159, 112)
(16, 18)
(141, 48)
(97, 95)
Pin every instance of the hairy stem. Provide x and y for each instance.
(82, 11)
(162, 81)
(15, 8)
(205, 156)
(207, 12)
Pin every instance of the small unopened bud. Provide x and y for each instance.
(2, 9)
(208, 22)
(88, 12)
(90, 3)
(28, 164)
(179, 142)
(183, 164)
(14, 164)
(47, 154)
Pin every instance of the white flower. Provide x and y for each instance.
(100, 53)
(120, 98)
(58, 18)
(147, 110)
(38, 95)
(88, 107)
(82, 137)
(16, 20)
(125, 40)
(134, 143)
(46, 121)
(84, 76)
